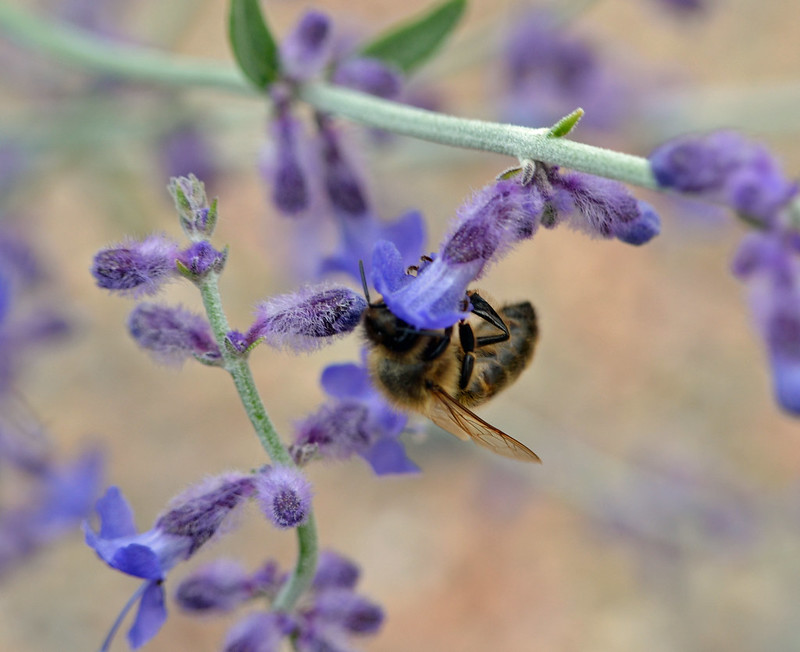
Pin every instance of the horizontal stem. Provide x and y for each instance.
(513, 140)
(88, 51)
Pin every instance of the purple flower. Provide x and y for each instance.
(345, 190)
(684, 7)
(197, 217)
(259, 632)
(327, 617)
(137, 267)
(488, 225)
(770, 264)
(223, 585)
(307, 319)
(725, 167)
(307, 49)
(286, 166)
(193, 518)
(369, 76)
(284, 496)
(172, 334)
(548, 73)
(358, 421)
(201, 258)
(599, 207)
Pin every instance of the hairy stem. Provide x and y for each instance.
(239, 369)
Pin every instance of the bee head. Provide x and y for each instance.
(385, 329)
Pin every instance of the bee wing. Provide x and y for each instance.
(449, 414)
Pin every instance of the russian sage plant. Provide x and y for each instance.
(313, 80)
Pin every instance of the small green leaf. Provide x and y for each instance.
(409, 45)
(252, 43)
(565, 125)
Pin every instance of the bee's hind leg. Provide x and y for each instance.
(484, 310)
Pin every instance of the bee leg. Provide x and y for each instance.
(467, 338)
(484, 310)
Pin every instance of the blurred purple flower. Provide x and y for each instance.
(358, 421)
(192, 519)
(308, 48)
(725, 167)
(549, 73)
(371, 76)
(172, 334)
(222, 585)
(769, 263)
(308, 319)
(327, 617)
(201, 258)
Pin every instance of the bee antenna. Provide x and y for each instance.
(364, 281)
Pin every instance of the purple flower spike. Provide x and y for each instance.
(725, 167)
(488, 225)
(172, 334)
(369, 76)
(358, 421)
(136, 267)
(193, 519)
(307, 319)
(307, 49)
(284, 495)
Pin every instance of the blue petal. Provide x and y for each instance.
(786, 376)
(407, 233)
(116, 516)
(346, 381)
(388, 456)
(388, 272)
(137, 560)
(151, 616)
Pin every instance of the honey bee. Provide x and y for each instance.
(431, 373)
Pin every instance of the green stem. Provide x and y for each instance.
(88, 51)
(239, 369)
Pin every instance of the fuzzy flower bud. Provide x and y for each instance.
(369, 76)
(307, 49)
(198, 218)
(348, 610)
(200, 259)
(335, 571)
(219, 586)
(136, 267)
(259, 632)
(307, 319)
(172, 334)
(284, 495)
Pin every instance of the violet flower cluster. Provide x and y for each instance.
(193, 518)
(725, 167)
(330, 616)
(173, 334)
(314, 179)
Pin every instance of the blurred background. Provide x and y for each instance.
(666, 513)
